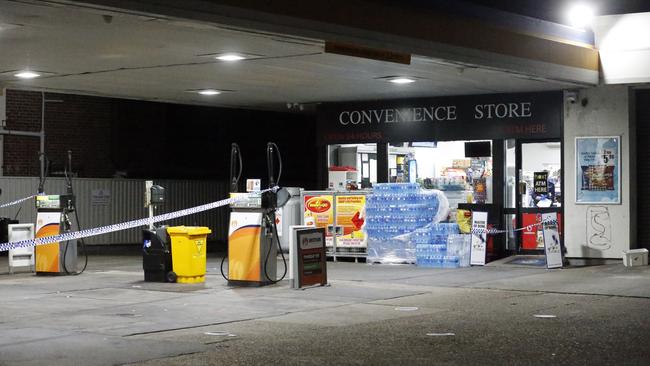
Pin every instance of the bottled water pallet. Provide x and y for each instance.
(346, 254)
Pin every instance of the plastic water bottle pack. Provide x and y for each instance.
(432, 250)
(398, 217)
(460, 245)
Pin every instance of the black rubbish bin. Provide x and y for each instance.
(157, 255)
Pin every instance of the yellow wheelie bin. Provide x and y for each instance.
(188, 252)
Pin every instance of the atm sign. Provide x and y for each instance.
(318, 205)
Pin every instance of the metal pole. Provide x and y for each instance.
(19, 133)
(42, 148)
(3, 121)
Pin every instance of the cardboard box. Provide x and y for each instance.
(635, 257)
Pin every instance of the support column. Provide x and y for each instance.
(382, 162)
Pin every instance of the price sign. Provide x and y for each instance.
(479, 238)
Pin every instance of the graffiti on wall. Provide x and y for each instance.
(599, 228)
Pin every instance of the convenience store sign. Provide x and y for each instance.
(443, 118)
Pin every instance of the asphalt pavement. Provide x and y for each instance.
(499, 314)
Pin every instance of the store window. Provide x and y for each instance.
(461, 169)
(352, 166)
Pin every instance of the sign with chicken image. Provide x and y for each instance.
(350, 217)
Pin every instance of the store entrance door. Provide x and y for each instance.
(533, 187)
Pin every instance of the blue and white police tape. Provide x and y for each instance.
(125, 225)
(16, 201)
(492, 231)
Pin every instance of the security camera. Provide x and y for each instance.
(571, 97)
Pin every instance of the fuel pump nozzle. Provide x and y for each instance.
(67, 171)
(235, 157)
(270, 163)
(45, 164)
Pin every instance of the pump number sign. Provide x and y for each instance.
(312, 262)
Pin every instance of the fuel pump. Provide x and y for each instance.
(53, 217)
(252, 234)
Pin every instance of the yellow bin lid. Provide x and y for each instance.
(189, 230)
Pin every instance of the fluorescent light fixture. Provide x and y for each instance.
(580, 15)
(209, 92)
(401, 80)
(230, 57)
(27, 75)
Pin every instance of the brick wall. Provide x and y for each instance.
(154, 140)
(21, 152)
(72, 122)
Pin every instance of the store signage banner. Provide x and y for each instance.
(598, 170)
(551, 234)
(537, 115)
(479, 238)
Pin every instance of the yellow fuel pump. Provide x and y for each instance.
(252, 233)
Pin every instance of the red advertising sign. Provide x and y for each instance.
(319, 212)
(532, 237)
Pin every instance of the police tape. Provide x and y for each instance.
(73, 235)
(492, 231)
(16, 201)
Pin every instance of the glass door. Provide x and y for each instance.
(532, 186)
(539, 189)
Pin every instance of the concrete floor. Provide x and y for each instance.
(369, 315)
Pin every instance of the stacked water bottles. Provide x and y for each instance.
(431, 246)
(460, 245)
(394, 210)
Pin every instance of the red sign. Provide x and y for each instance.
(531, 237)
(318, 205)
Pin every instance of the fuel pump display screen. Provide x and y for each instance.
(312, 263)
(48, 202)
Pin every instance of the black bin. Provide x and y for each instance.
(157, 255)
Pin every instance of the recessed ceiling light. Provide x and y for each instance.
(27, 75)
(209, 92)
(402, 80)
(230, 57)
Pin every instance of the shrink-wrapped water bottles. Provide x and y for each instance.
(394, 214)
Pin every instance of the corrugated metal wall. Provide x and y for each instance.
(124, 201)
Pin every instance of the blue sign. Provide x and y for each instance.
(598, 170)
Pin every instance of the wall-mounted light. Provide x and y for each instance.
(27, 75)
(580, 15)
